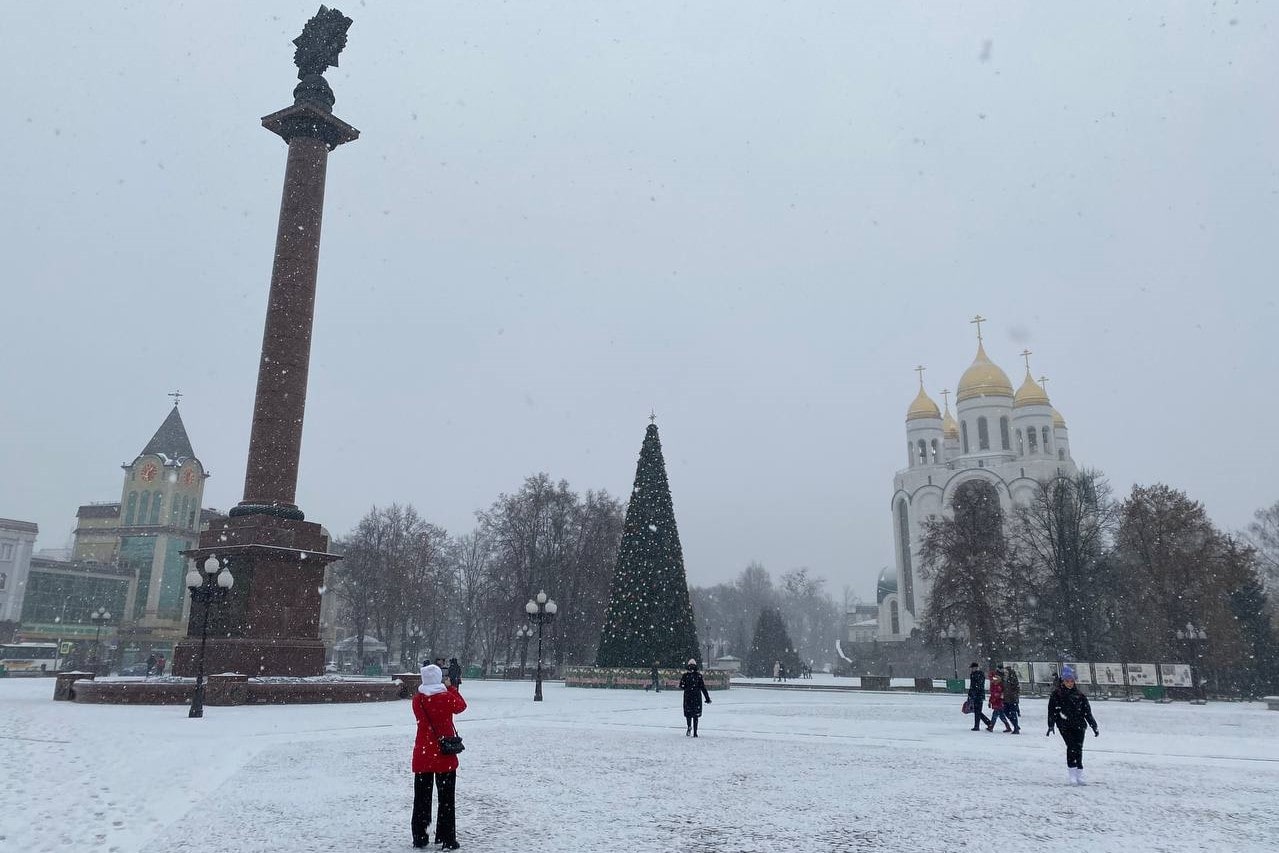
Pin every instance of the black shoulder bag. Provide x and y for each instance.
(450, 745)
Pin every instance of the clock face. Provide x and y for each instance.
(149, 471)
(188, 476)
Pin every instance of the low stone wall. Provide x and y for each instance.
(623, 678)
(231, 689)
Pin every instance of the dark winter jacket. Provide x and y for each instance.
(694, 689)
(1068, 708)
(1012, 688)
(977, 685)
(996, 695)
(455, 672)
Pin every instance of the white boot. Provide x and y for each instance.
(1073, 772)
(1079, 776)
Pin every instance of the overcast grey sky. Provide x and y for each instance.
(755, 218)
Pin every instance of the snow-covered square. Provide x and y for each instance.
(606, 770)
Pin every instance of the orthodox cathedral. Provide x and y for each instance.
(1009, 439)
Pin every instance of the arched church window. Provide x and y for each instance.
(963, 429)
(4, 580)
(156, 506)
(1047, 445)
(143, 505)
(923, 452)
(894, 614)
(903, 544)
(934, 451)
(1061, 453)
(983, 434)
(910, 453)
(130, 506)
(1034, 440)
(1003, 433)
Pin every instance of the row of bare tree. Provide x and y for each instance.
(426, 593)
(1077, 575)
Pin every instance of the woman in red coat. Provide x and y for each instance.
(997, 702)
(434, 705)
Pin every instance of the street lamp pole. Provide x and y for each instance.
(203, 591)
(953, 635)
(540, 611)
(99, 617)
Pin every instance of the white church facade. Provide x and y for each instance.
(1011, 439)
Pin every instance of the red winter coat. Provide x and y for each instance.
(996, 695)
(426, 749)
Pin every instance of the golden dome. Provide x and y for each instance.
(1031, 393)
(983, 379)
(949, 426)
(1058, 421)
(922, 407)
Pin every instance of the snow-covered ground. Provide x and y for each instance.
(598, 770)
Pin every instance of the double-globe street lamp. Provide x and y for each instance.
(540, 611)
(205, 589)
(1195, 636)
(99, 617)
(523, 634)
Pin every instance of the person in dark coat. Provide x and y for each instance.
(455, 672)
(1069, 712)
(694, 688)
(656, 679)
(150, 664)
(1012, 698)
(977, 696)
(434, 705)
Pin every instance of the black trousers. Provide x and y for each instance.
(445, 824)
(1074, 739)
(978, 717)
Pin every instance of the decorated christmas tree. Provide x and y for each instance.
(650, 617)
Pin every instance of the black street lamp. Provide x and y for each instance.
(99, 618)
(541, 611)
(523, 634)
(952, 634)
(204, 591)
(1195, 637)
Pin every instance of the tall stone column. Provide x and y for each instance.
(269, 624)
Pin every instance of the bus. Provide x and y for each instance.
(30, 658)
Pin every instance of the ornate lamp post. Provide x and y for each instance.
(204, 591)
(952, 634)
(523, 634)
(1195, 637)
(541, 611)
(99, 618)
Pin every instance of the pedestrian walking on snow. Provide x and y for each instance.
(977, 695)
(1069, 712)
(694, 688)
(1012, 698)
(997, 703)
(434, 705)
(455, 672)
(655, 683)
(777, 670)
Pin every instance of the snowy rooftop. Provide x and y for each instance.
(599, 770)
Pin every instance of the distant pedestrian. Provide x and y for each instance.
(1012, 698)
(455, 672)
(150, 664)
(159, 665)
(694, 688)
(1069, 712)
(434, 705)
(655, 683)
(977, 695)
(997, 702)
(777, 670)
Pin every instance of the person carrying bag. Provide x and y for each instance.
(435, 757)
